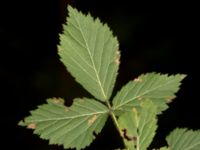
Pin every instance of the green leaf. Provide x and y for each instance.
(139, 126)
(164, 148)
(72, 126)
(183, 139)
(90, 53)
(154, 86)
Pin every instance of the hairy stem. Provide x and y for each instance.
(115, 122)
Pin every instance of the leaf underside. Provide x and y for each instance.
(184, 139)
(72, 126)
(90, 53)
(160, 88)
(139, 127)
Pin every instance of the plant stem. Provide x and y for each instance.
(116, 122)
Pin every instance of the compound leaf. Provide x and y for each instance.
(157, 87)
(183, 139)
(73, 127)
(139, 126)
(90, 52)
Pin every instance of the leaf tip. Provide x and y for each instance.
(183, 76)
(21, 123)
(70, 8)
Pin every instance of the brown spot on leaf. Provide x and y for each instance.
(58, 101)
(170, 98)
(92, 120)
(31, 126)
(118, 54)
(137, 80)
(66, 109)
(117, 61)
(60, 49)
(127, 137)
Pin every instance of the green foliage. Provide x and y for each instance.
(156, 87)
(90, 53)
(73, 126)
(139, 126)
(183, 139)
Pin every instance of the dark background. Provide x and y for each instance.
(159, 37)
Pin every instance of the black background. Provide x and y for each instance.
(161, 37)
